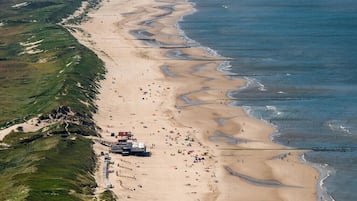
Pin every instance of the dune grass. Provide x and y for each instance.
(107, 195)
(43, 68)
(63, 73)
(47, 168)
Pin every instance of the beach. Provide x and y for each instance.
(168, 93)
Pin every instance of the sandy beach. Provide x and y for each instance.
(169, 94)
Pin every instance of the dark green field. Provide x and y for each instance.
(45, 71)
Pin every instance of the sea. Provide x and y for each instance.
(299, 58)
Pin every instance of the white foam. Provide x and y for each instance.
(345, 129)
(269, 107)
(302, 158)
(248, 110)
(325, 172)
(225, 66)
(274, 109)
(267, 59)
(323, 177)
(191, 42)
(252, 82)
(261, 86)
(248, 83)
(338, 126)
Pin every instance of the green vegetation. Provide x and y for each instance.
(107, 195)
(92, 4)
(45, 71)
(62, 72)
(52, 168)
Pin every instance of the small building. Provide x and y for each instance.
(126, 145)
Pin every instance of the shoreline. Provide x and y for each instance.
(161, 118)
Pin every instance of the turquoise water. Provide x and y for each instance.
(300, 60)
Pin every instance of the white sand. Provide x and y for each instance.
(20, 5)
(31, 125)
(31, 47)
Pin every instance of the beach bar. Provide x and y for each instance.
(127, 145)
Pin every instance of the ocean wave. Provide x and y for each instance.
(338, 126)
(256, 113)
(274, 109)
(295, 110)
(253, 83)
(325, 172)
(189, 41)
(225, 66)
(248, 110)
(192, 43)
(261, 86)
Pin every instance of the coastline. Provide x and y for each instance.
(164, 111)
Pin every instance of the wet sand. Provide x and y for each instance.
(169, 94)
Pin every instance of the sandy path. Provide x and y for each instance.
(176, 105)
(31, 125)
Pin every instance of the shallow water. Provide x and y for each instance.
(299, 58)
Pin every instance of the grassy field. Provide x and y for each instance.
(62, 70)
(44, 68)
(47, 168)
